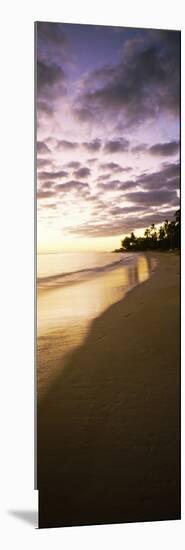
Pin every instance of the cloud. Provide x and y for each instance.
(120, 210)
(128, 222)
(164, 149)
(140, 148)
(161, 179)
(50, 79)
(50, 189)
(51, 33)
(158, 149)
(42, 148)
(48, 185)
(165, 180)
(174, 183)
(52, 42)
(116, 146)
(69, 145)
(72, 185)
(45, 194)
(52, 205)
(82, 172)
(83, 114)
(103, 113)
(109, 186)
(92, 160)
(103, 177)
(170, 170)
(151, 198)
(114, 167)
(52, 175)
(44, 108)
(73, 164)
(117, 185)
(42, 162)
(92, 146)
(143, 84)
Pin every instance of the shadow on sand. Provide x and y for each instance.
(108, 428)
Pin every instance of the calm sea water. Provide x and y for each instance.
(73, 289)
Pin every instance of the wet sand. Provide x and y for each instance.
(66, 311)
(109, 425)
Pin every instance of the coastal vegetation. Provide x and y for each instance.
(166, 237)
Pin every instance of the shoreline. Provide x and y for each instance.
(95, 273)
(108, 427)
(65, 314)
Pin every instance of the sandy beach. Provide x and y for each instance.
(109, 424)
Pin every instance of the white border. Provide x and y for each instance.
(17, 282)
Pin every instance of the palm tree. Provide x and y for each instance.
(161, 233)
(153, 232)
(177, 216)
(132, 237)
(168, 236)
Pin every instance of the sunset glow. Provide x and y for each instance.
(108, 133)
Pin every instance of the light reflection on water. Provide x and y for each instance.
(65, 313)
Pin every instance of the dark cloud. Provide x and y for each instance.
(116, 146)
(45, 194)
(109, 186)
(64, 144)
(72, 185)
(83, 172)
(83, 114)
(159, 149)
(139, 148)
(49, 189)
(52, 42)
(51, 33)
(117, 185)
(50, 77)
(92, 160)
(122, 210)
(48, 185)
(92, 146)
(174, 183)
(73, 164)
(42, 148)
(161, 179)
(114, 167)
(170, 170)
(129, 184)
(151, 198)
(103, 177)
(52, 175)
(144, 83)
(44, 108)
(42, 162)
(164, 149)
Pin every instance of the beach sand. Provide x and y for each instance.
(109, 425)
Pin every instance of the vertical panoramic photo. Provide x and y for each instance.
(108, 274)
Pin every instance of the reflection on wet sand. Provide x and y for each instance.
(108, 422)
(65, 313)
(143, 269)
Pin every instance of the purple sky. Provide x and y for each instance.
(108, 132)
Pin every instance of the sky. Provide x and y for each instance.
(107, 133)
